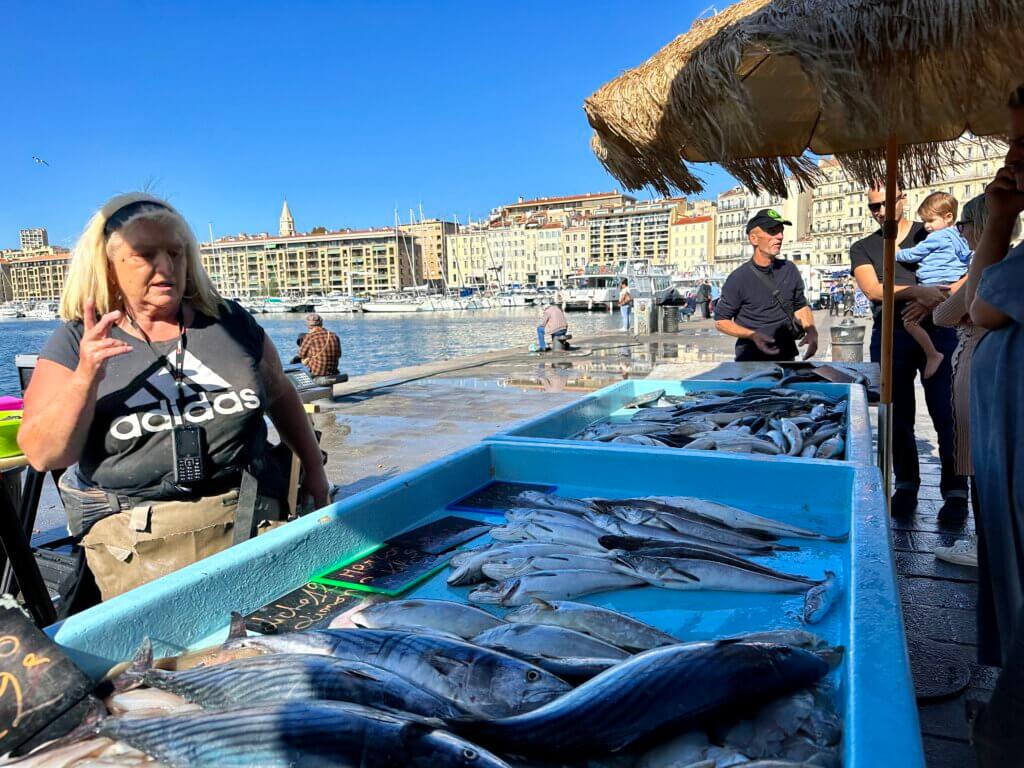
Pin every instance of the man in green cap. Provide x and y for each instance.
(762, 302)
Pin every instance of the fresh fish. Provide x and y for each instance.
(702, 528)
(146, 702)
(573, 536)
(647, 440)
(794, 441)
(469, 569)
(459, 619)
(308, 734)
(820, 598)
(647, 398)
(309, 677)
(740, 519)
(553, 516)
(87, 753)
(663, 690)
(707, 574)
(615, 628)
(551, 501)
(511, 568)
(613, 525)
(798, 638)
(819, 412)
(546, 640)
(776, 437)
(831, 448)
(477, 680)
(824, 433)
(553, 585)
(808, 451)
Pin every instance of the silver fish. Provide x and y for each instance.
(649, 533)
(511, 568)
(298, 733)
(808, 451)
(794, 441)
(545, 640)
(708, 574)
(741, 519)
(310, 677)
(458, 619)
(553, 585)
(647, 398)
(820, 598)
(616, 628)
(831, 448)
(469, 567)
(477, 680)
(540, 500)
(573, 536)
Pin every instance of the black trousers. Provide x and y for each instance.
(907, 361)
(705, 308)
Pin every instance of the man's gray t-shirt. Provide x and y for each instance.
(128, 449)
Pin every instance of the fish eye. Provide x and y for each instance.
(532, 675)
(469, 754)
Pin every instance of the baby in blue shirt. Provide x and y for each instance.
(942, 258)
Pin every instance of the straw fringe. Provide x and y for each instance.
(922, 70)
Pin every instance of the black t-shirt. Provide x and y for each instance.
(128, 446)
(870, 251)
(748, 301)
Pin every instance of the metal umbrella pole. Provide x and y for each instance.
(890, 230)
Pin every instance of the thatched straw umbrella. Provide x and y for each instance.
(884, 85)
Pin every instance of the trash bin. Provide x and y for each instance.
(847, 342)
(669, 319)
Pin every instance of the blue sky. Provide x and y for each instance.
(348, 108)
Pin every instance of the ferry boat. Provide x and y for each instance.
(591, 290)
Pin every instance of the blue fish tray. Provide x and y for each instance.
(560, 425)
(873, 689)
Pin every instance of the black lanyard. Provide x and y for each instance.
(177, 371)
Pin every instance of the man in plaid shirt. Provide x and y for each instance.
(320, 351)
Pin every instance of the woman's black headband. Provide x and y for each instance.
(120, 217)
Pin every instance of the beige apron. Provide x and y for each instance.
(138, 545)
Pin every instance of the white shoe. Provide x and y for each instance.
(963, 552)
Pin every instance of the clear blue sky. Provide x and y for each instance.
(348, 108)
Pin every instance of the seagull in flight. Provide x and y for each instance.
(40, 161)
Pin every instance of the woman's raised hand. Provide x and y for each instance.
(97, 347)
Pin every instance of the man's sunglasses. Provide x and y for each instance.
(876, 207)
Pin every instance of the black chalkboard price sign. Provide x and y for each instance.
(41, 692)
(311, 606)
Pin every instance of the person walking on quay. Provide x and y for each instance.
(908, 360)
(994, 292)
(762, 302)
(153, 394)
(625, 305)
(704, 298)
(553, 324)
(320, 351)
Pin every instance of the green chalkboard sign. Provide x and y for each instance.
(389, 570)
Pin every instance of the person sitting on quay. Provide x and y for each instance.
(320, 351)
(152, 395)
(553, 324)
(762, 302)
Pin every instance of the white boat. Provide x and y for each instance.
(275, 305)
(589, 291)
(335, 305)
(395, 304)
(9, 313)
(43, 310)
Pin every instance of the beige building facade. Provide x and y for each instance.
(429, 238)
(691, 242)
(737, 205)
(357, 262)
(39, 277)
(633, 232)
(584, 204)
(575, 248)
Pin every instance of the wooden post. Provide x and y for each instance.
(890, 230)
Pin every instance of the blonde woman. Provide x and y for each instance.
(153, 392)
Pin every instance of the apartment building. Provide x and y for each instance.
(840, 210)
(575, 248)
(468, 259)
(38, 277)
(360, 262)
(635, 231)
(430, 236)
(691, 242)
(556, 206)
(736, 206)
(33, 239)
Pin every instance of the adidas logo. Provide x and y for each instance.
(206, 395)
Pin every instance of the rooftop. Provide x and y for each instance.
(566, 199)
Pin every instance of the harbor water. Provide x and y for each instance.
(369, 342)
